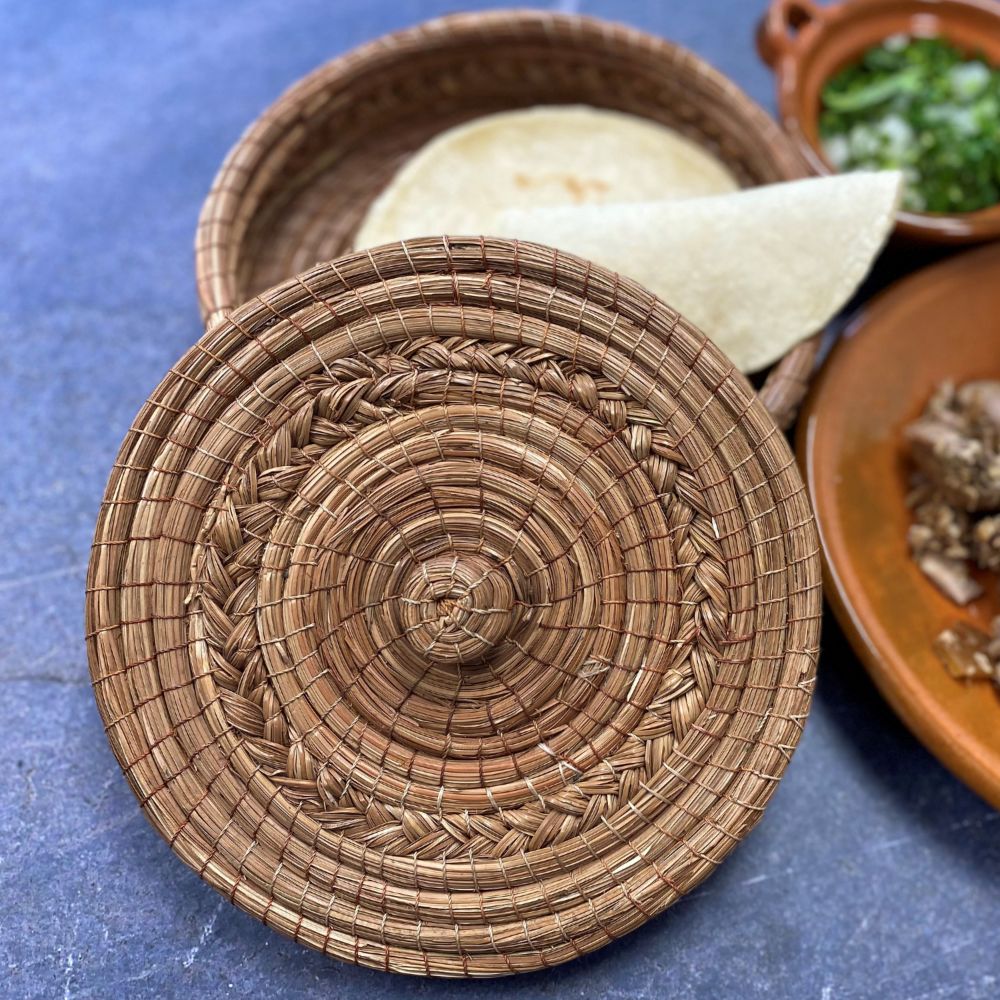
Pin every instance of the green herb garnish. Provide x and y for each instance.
(920, 106)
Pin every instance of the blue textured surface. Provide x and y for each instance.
(874, 872)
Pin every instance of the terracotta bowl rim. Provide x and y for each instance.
(956, 227)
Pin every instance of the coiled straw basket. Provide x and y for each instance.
(454, 608)
(294, 188)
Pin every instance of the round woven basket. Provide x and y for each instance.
(297, 184)
(454, 608)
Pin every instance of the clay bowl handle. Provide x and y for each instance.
(777, 29)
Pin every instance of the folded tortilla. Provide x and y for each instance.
(757, 270)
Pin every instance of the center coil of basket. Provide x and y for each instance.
(465, 598)
(455, 609)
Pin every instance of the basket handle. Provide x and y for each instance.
(779, 27)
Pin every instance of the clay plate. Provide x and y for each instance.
(942, 322)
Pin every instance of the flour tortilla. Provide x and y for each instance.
(757, 271)
(561, 155)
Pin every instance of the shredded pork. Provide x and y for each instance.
(955, 500)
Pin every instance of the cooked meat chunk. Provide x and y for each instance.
(964, 651)
(985, 543)
(965, 472)
(969, 653)
(980, 403)
(951, 576)
(939, 528)
(955, 443)
(955, 494)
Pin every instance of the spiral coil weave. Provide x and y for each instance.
(454, 607)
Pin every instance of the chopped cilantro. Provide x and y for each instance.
(920, 106)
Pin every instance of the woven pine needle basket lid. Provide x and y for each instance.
(454, 608)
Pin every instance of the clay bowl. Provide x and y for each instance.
(938, 323)
(806, 44)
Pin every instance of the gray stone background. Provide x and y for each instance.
(874, 872)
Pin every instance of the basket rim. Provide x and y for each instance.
(216, 258)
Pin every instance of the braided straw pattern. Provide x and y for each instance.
(454, 608)
(295, 187)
